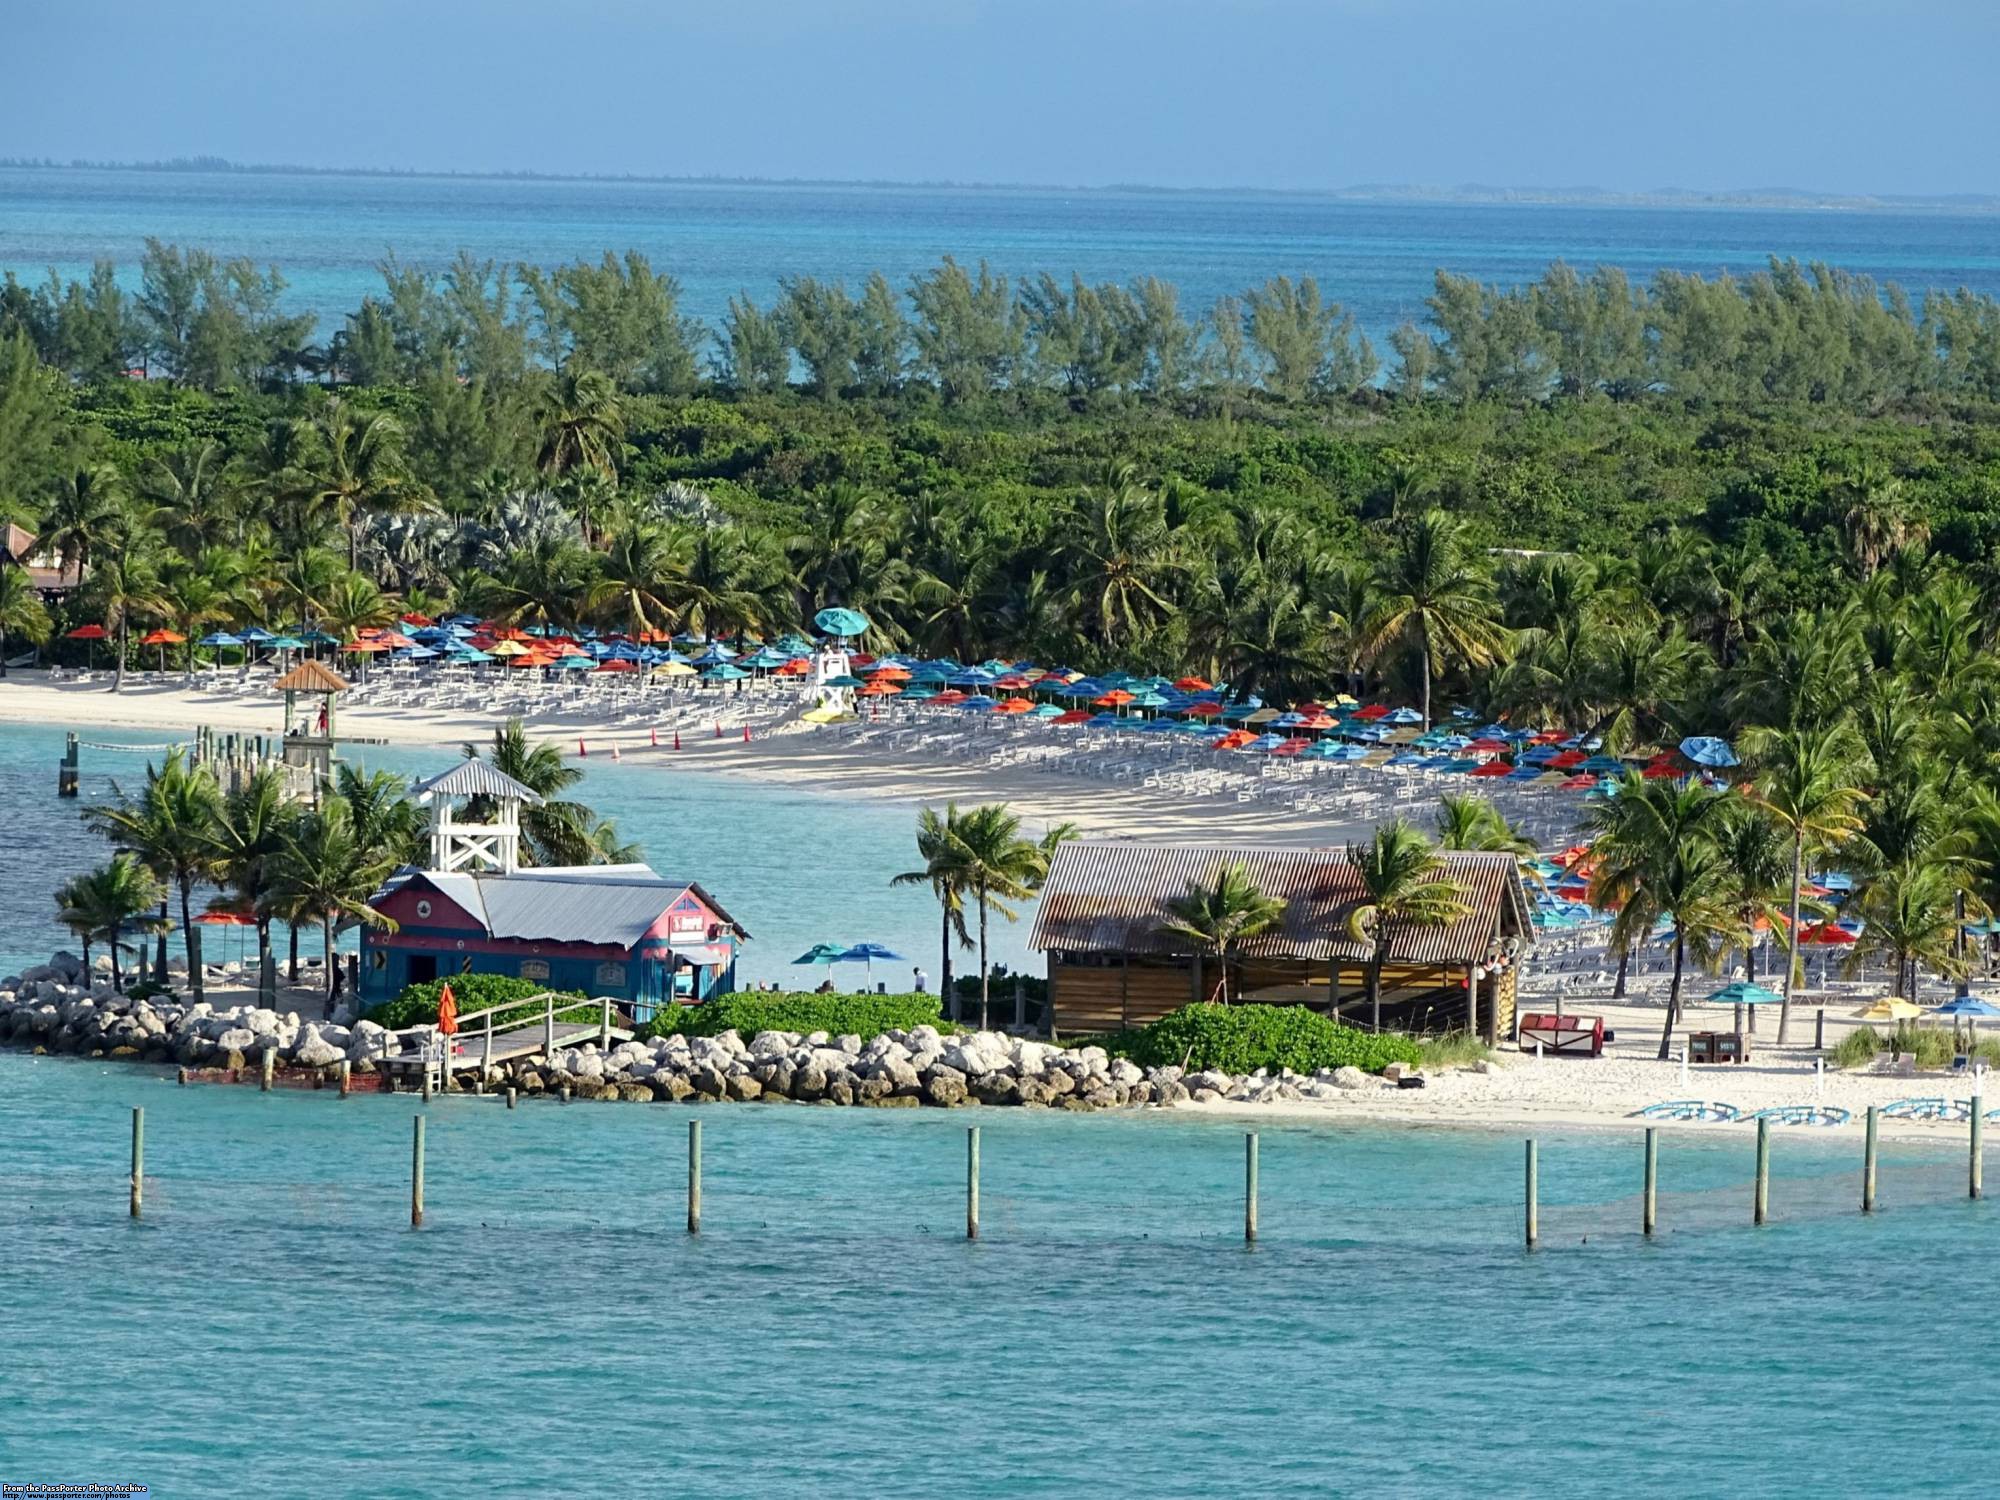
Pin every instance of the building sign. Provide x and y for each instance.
(611, 976)
(682, 924)
(534, 968)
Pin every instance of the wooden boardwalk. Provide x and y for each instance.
(478, 1046)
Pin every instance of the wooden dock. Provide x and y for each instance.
(478, 1045)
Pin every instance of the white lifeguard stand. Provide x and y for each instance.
(485, 847)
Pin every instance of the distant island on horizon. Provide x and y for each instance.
(1464, 193)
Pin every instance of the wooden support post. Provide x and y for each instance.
(694, 1177)
(1650, 1217)
(427, 1081)
(181, 1076)
(417, 1174)
(346, 1077)
(266, 1063)
(66, 773)
(1532, 1194)
(1250, 1188)
(972, 1182)
(1819, 1030)
(486, 1054)
(510, 1096)
(1976, 1184)
(549, 1028)
(138, 1158)
(1762, 1207)
(604, 1025)
(1868, 1162)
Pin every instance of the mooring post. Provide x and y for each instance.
(972, 1182)
(1531, 1195)
(694, 1177)
(1977, 1184)
(1650, 1218)
(417, 1174)
(510, 1096)
(181, 1076)
(1868, 1162)
(1762, 1205)
(486, 1056)
(138, 1158)
(427, 1080)
(1250, 1188)
(267, 1061)
(346, 1077)
(66, 773)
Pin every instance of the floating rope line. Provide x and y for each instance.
(143, 749)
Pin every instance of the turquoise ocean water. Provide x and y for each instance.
(328, 232)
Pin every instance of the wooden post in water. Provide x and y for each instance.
(67, 772)
(417, 1174)
(604, 1025)
(972, 1182)
(181, 1077)
(1531, 1195)
(427, 1081)
(1868, 1162)
(510, 1096)
(138, 1157)
(1250, 1188)
(1650, 1217)
(266, 1062)
(1762, 1206)
(346, 1077)
(549, 1028)
(486, 1056)
(694, 1177)
(1819, 1030)
(1977, 1183)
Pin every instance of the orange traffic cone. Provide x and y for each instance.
(718, 730)
(746, 734)
(579, 747)
(677, 739)
(656, 739)
(614, 753)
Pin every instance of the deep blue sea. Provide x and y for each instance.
(327, 233)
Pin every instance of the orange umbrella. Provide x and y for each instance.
(1012, 706)
(881, 689)
(447, 1011)
(163, 638)
(1116, 698)
(890, 672)
(1194, 685)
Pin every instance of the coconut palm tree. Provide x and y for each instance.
(355, 470)
(191, 599)
(1465, 821)
(1809, 781)
(1403, 884)
(1117, 555)
(193, 496)
(305, 581)
(114, 899)
(85, 517)
(249, 835)
(1656, 855)
(1435, 602)
(637, 587)
(170, 826)
(557, 832)
(990, 859)
(1637, 676)
(123, 584)
(22, 614)
(582, 420)
(325, 874)
(1219, 916)
(1912, 914)
(1756, 861)
(935, 835)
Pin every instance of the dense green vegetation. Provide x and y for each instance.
(748, 1013)
(418, 1004)
(1242, 1038)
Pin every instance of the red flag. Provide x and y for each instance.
(447, 1012)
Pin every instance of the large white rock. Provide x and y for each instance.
(238, 1039)
(316, 1052)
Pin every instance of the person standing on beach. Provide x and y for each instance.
(923, 980)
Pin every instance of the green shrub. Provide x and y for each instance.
(418, 1004)
(1926, 1046)
(1857, 1049)
(753, 1011)
(1456, 1049)
(1243, 1038)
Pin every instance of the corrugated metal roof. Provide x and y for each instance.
(1112, 898)
(474, 778)
(611, 904)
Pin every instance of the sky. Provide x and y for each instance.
(1864, 96)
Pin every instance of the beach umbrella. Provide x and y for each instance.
(447, 1011)
(1194, 685)
(1889, 1008)
(844, 623)
(468, 655)
(673, 669)
(1013, 706)
(1405, 716)
(949, 698)
(724, 673)
(1706, 750)
(1491, 768)
(1044, 711)
(220, 638)
(1071, 716)
(1825, 934)
(821, 953)
(867, 953)
(976, 700)
(1967, 1005)
(1743, 992)
(617, 664)
(844, 681)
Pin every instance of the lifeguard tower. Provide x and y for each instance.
(831, 662)
(493, 847)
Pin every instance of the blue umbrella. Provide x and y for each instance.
(840, 622)
(254, 633)
(1706, 750)
(220, 638)
(1967, 1005)
(867, 953)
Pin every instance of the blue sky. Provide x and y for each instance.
(1841, 95)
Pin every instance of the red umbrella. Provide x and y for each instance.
(1204, 710)
(163, 638)
(616, 665)
(1567, 759)
(1194, 685)
(87, 633)
(1372, 711)
(1492, 768)
(1073, 716)
(1825, 934)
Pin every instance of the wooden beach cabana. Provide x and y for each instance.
(1111, 966)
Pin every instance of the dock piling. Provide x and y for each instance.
(67, 774)
(267, 1062)
(1868, 1161)
(1250, 1188)
(138, 1158)
(972, 1182)
(694, 1177)
(1976, 1185)
(346, 1077)
(1762, 1206)
(1531, 1196)
(417, 1174)
(1650, 1216)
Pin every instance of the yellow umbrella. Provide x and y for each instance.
(1889, 1008)
(673, 669)
(507, 648)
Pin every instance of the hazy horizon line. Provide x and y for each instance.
(1770, 197)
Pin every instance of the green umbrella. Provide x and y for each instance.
(822, 953)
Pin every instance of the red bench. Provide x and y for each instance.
(1563, 1036)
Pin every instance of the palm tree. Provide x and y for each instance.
(638, 581)
(1465, 821)
(356, 471)
(1657, 857)
(1403, 884)
(1912, 915)
(123, 584)
(305, 581)
(192, 496)
(1637, 675)
(1117, 555)
(583, 424)
(557, 832)
(22, 613)
(544, 583)
(1435, 602)
(935, 837)
(386, 821)
(1756, 862)
(108, 902)
(988, 857)
(249, 835)
(1219, 916)
(325, 874)
(190, 599)
(1809, 780)
(171, 827)
(86, 517)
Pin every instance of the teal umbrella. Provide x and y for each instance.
(724, 673)
(822, 953)
(840, 622)
(1742, 992)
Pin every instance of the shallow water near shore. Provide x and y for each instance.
(274, 1322)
